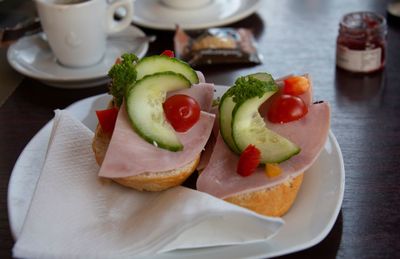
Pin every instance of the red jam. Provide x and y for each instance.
(361, 43)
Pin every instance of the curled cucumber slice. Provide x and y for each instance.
(144, 101)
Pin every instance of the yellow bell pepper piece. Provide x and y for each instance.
(272, 169)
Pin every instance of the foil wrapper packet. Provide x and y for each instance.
(216, 46)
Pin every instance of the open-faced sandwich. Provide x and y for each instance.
(158, 123)
(270, 133)
(153, 132)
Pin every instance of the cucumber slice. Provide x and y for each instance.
(262, 76)
(225, 121)
(144, 101)
(156, 64)
(248, 127)
(241, 124)
(227, 105)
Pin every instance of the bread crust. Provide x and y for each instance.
(274, 201)
(154, 181)
(159, 181)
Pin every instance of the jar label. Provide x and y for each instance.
(358, 60)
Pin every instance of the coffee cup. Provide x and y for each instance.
(77, 30)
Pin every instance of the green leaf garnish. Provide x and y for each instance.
(122, 75)
(247, 87)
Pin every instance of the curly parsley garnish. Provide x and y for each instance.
(122, 74)
(250, 86)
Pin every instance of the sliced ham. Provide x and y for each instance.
(203, 93)
(208, 149)
(220, 179)
(201, 77)
(207, 152)
(308, 96)
(181, 41)
(128, 154)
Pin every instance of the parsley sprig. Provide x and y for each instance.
(122, 75)
(247, 87)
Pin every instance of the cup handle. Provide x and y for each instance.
(114, 25)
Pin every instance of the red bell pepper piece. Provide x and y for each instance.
(248, 161)
(168, 53)
(107, 119)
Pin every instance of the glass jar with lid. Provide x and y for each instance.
(361, 43)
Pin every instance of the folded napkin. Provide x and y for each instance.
(73, 213)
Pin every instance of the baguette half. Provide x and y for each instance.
(154, 181)
(274, 201)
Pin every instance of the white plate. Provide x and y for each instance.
(154, 14)
(32, 57)
(307, 223)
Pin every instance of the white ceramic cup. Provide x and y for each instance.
(77, 30)
(185, 4)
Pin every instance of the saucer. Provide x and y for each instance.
(156, 15)
(32, 57)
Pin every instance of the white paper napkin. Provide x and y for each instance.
(75, 214)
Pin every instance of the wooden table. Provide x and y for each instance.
(294, 37)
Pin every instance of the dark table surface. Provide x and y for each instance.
(294, 36)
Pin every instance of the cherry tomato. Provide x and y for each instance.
(107, 119)
(296, 85)
(248, 161)
(168, 53)
(286, 108)
(182, 111)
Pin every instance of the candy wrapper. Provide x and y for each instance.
(216, 46)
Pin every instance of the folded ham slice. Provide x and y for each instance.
(203, 93)
(220, 179)
(128, 154)
(201, 77)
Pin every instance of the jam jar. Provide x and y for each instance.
(361, 43)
